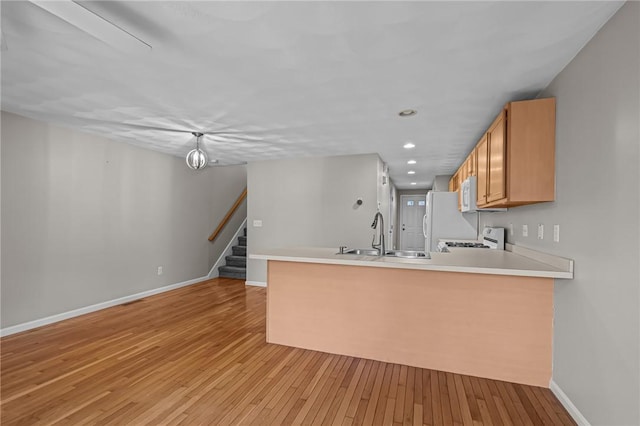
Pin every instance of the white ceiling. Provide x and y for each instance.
(295, 79)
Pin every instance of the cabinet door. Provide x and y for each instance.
(472, 164)
(459, 178)
(482, 153)
(497, 167)
(465, 171)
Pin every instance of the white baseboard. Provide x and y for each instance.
(566, 402)
(98, 306)
(214, 273)
(256, 283)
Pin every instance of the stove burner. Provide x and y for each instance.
(459, 244)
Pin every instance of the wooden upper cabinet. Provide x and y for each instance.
(466, 168)
(471, 164)
(454, 182)
(531, 147)
(482, 157)
(454, 186)
(496, 136)
(515, 159)
(459, 192)
(520, 165)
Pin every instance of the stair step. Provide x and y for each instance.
(239, 250)
(242, 241)
(232, 272)
(240, 261)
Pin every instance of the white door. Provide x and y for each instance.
(412, 209)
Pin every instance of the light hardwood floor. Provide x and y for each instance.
(198, 355)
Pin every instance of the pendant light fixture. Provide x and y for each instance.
(197, 158)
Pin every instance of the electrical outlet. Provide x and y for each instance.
(556, 233)
(511, 229)
(540, 231)
(257, 224)
(525, 230)
(159, 270)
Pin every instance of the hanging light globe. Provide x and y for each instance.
(196, 158)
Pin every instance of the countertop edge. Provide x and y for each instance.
(372, 261)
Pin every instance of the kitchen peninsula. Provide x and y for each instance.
(486, 313)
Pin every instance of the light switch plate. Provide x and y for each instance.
(257, 224)
(525, 230)
(540, 231)
(556, 233)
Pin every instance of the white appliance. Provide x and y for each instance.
(443, 220)
(469, 196)
(492, 238)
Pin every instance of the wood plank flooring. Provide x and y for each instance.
(197, 355)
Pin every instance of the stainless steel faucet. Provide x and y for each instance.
(380, 246)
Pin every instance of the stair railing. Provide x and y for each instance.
(228, 216)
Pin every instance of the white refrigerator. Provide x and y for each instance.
(443, 220)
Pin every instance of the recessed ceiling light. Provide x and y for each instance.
(407, 112)
(414, 183)
(408, 145)
(411, 172)
(411, 162)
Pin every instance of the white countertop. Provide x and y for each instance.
(468, 260)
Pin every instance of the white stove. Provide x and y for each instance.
(492, 238)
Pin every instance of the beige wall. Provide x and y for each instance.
(441, 183)
(596, 335)
(87, 220)
(422, 191)
(310, 202)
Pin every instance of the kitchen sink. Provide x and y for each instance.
(407, 254)
(361, 252)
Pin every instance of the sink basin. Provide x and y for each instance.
(362, 252)
(409, 254)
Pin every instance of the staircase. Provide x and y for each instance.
(236, 264)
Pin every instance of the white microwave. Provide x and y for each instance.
(469, 195)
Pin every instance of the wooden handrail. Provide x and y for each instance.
(230, 213)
